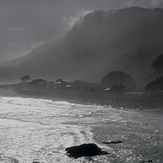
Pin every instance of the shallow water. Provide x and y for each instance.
(40, 130)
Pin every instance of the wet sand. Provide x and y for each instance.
(40, 129)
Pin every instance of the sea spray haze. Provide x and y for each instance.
(89, 52)
(127, 39)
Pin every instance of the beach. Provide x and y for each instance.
(33, 129)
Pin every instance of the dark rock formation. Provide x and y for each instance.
(149, 161)
(113, 142)
(84, 150)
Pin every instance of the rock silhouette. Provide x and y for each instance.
(84, 150)
(149, 161)
(113, 142)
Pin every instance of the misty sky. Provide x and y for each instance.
(27, 24)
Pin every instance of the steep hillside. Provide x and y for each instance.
(97, 44)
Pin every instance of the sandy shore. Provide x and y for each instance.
(146, 102)
(140, 131)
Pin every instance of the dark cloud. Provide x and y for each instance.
(26, 24)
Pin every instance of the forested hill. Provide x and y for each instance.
(127, 39)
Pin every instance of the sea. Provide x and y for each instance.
(39, 130)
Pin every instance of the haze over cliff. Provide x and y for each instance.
(127, 39)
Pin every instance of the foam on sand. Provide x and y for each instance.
(40, 130)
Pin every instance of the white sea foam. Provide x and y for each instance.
(40, 130)
(33, 129)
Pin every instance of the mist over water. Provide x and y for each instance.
(40, 130)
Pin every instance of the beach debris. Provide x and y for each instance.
(84, 150)
(113, 142)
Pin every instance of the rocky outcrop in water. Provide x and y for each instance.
(84, 150)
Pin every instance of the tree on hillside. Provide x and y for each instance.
(39, 84)
(157, 66)
(117, 88)
(59, 81)
(155, 85)
(25, 78)
(158, 63)
(119, 78)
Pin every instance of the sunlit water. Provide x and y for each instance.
(40, 130)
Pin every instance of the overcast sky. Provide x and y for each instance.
(27, 24)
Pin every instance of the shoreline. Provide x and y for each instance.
(149, 102)
(143, 102)
(109, 130)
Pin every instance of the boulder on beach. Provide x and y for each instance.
(84, 150)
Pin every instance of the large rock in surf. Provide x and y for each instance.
(84, 150)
